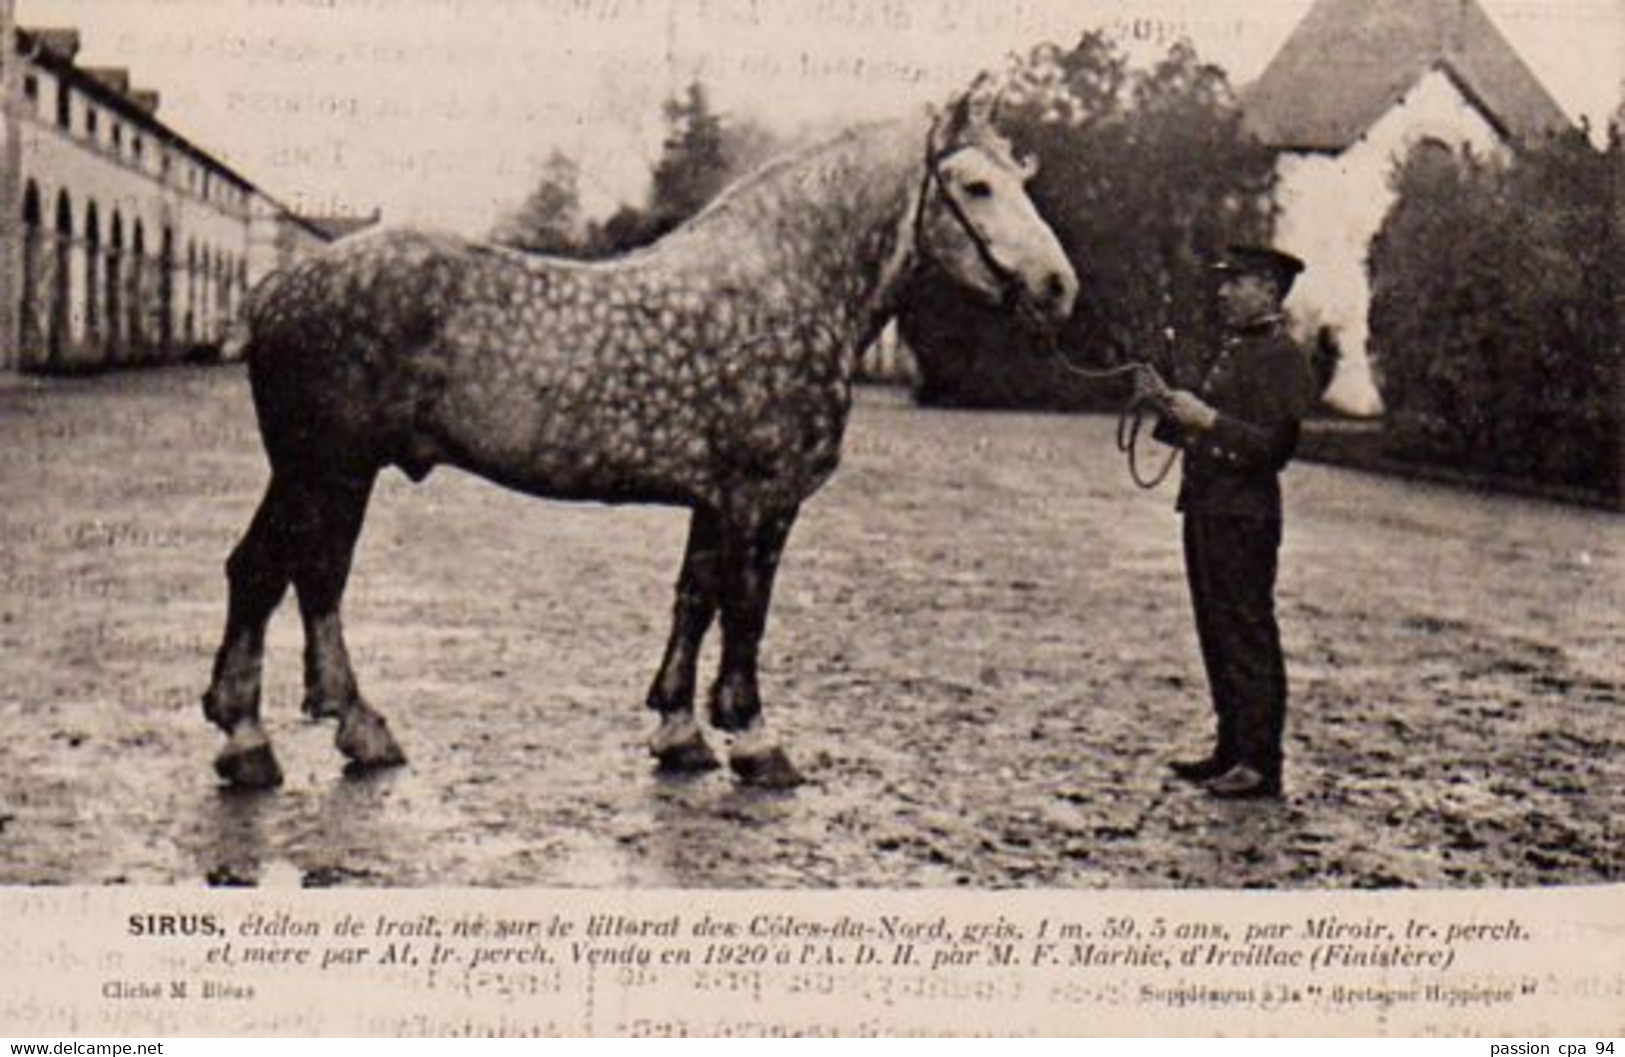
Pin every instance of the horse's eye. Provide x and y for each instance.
(979, 189)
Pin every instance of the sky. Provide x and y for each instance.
(443, 111)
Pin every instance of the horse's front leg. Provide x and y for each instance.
(751, 550)
(678, 743)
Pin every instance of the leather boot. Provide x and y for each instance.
(1243, 782)
(1203, 770)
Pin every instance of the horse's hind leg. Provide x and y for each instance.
(678, 743)
(751, 554)
(257, 573)
(326, 522)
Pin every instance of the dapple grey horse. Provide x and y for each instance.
(711, 371)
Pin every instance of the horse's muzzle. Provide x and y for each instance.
(1048, 302)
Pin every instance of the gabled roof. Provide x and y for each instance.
(1349, 61)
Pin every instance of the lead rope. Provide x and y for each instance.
(1130, 420)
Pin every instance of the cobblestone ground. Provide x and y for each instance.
(980, 654)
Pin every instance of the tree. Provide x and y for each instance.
(703, 153)
(694, 165)
(549, 221)
(1143, 176)
(626, 228)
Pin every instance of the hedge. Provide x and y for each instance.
(1496, 316)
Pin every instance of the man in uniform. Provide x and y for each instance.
(1238, 431)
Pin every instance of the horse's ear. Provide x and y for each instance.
(957, 123)
(970, 115)
(982, 86)
(982, 101)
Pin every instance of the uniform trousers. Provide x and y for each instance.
(1230, 563)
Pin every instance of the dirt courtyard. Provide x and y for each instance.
(980, 654)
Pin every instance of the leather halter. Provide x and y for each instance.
(1009, 282)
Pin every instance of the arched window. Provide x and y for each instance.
(61, 282)
(206, 281)
(225, 289)
(31, 317)
(1431, 160)
(190, 317)
(222, 294)
(166, 294)
(115, 289)
(93, 268)
(138, 292)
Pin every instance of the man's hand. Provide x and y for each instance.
(1188, 410)
(1183, 408)
(1149, 388)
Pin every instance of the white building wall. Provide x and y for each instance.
(1332, 205)
(160, 189)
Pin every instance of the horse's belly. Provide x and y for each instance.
(702, 430)
(600, 452)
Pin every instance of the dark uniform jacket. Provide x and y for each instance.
(1261, 386)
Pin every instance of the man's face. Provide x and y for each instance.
(1244, 297)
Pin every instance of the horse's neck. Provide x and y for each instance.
(826, 234)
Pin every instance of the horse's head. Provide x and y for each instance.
(974, 220)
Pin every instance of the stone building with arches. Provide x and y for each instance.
(123, 242)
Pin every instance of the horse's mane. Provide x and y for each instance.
(738, 205)
(739, 200)
(741, 203)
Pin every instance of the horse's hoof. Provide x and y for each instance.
(769, 769)
(689, 757)
(248, 763)
(679, 744)
(318, 707)
(365, 739)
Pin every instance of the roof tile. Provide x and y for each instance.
(1349, 61)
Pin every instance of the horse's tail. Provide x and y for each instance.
(265, 315)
